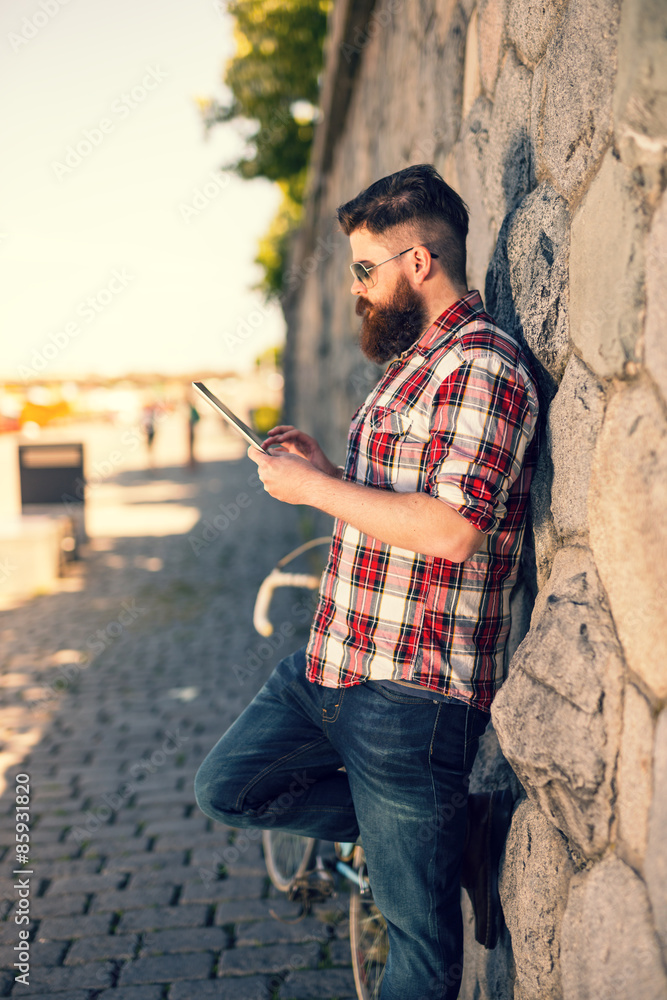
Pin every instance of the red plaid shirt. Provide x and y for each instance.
(454, 417)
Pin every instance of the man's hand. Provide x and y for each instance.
(298, 443)
(287, 477)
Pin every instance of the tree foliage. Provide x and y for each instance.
(274, 80)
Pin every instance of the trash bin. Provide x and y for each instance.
(52, 482)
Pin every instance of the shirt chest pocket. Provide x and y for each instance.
(395, 451)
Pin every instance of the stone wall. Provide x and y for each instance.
(550, 118)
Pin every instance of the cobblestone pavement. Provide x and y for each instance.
(115, 688)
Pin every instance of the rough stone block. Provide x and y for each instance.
(469, 159)
(530, 25)
(608, 945)
(655, 867)
(535, 876)
(607, 271)
(640, 98)
(492, 40)
(527, 285)
(558, 714)
(655, 341)
(571, 122)
(635, 776)
(487, 975)
(544, 535)
(491, 769)
(628, 528)
(574, 421)
(508, 167)
(472, 83)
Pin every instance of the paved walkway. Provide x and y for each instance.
(115, 688)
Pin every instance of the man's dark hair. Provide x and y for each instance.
(425, 208)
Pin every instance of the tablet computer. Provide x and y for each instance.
(229, 416)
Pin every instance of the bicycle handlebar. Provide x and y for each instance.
(277, 578)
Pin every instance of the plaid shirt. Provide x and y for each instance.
(453, 417)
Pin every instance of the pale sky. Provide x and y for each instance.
(101, 271)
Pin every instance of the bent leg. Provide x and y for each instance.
(274, 767)
(408, 762)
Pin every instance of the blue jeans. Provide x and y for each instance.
(404, 789)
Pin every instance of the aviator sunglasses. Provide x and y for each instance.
(363, 273)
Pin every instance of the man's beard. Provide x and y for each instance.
(390, 328)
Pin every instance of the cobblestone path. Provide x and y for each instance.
(114, 689)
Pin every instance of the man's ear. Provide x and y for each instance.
(422, 264)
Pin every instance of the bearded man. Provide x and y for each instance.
(407, 645)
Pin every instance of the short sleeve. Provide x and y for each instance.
(484, 416)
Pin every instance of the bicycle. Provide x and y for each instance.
(289, 857)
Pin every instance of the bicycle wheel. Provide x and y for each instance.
(369, 944)
(286, 855)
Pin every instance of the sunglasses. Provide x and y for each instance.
(363, 274)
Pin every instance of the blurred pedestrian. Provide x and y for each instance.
(148, 427)
(193, 420)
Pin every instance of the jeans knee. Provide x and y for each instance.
(210, 797)
(202, 792)
(217, 798)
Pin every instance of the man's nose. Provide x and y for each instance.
(358, 287)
